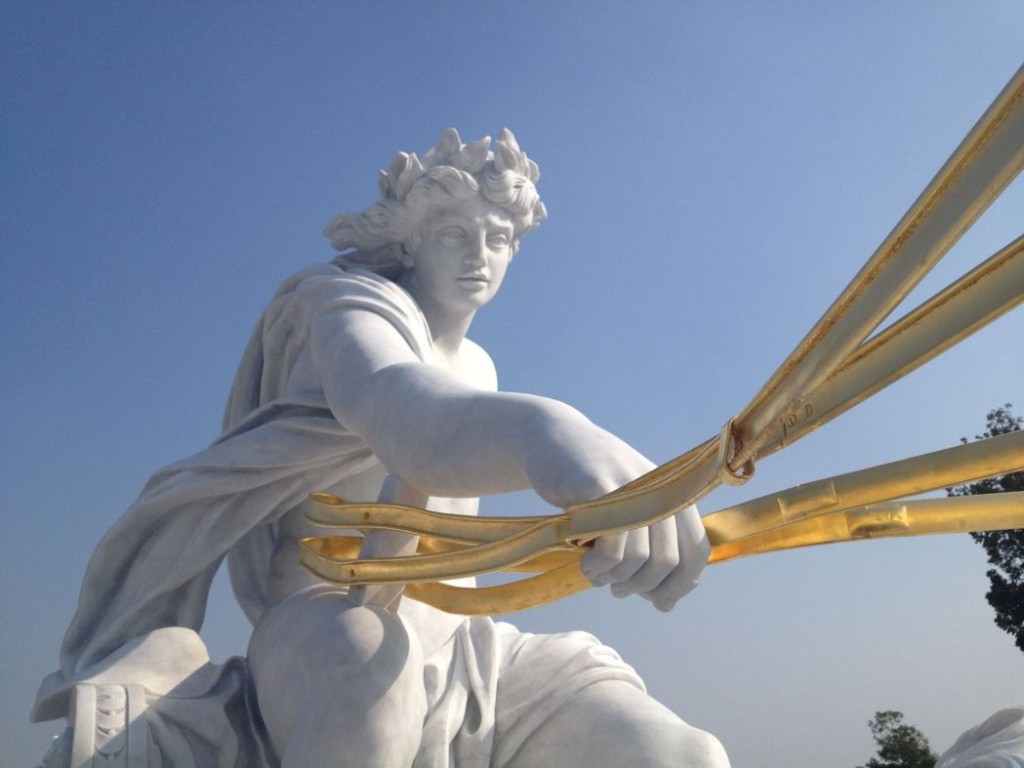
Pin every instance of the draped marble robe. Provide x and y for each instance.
(152, 571)
(145, 589)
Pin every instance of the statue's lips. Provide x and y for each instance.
(474, 279)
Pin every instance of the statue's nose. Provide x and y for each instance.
(476, 247)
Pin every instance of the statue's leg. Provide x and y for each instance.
(338, 685)
(613, 723)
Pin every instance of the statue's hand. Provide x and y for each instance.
(570, 461)
(660, 562)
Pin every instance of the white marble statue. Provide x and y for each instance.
(996, 743)
(360, 370)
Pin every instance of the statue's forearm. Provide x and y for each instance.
(450, 439)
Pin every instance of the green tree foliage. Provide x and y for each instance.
(1005, 549)
(899, 745)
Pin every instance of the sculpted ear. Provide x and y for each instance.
(406, 251)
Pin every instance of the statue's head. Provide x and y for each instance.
(381, 237)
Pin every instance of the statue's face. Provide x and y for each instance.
(461, 260)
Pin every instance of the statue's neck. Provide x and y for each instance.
(448, 332)
(448, 325)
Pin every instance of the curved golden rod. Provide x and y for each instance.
(503, 598)
(335, 512)
(658, 494)
(551, 534)
(966, 306)
(340, 548)
(919, 517)
(963, 463)
(907, 477)
(987, 160)
(916, 517)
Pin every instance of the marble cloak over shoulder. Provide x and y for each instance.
(153, 569)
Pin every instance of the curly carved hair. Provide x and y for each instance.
(412, 188)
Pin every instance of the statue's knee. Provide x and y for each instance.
(361, 642)
(327, 673)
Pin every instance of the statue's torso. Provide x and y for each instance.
(288, 576)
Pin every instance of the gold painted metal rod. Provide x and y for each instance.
(658, 494)
(916, 517)
(551, 534)
(502, 598)
(982, 166)
(919, 517)
(969, 304)
(963, 463)
(548, 534)
(334, 512)
(908, 477)
(341, 548)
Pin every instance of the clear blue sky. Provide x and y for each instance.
(715, 173)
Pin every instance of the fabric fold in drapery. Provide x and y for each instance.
(153, 569)
(145, 589)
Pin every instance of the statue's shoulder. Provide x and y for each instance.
(319, 286)
(340, 277)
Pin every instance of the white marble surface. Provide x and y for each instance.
(359, 369)
(996, 743)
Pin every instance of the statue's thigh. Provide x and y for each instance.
(320, 664)
(613, 723)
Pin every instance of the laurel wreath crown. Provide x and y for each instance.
(407, 168)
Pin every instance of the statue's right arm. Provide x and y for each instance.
(448, 438)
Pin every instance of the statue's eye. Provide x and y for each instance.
(453, 233)
(498, 241)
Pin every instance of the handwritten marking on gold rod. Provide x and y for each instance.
(987, 160)
(978, 298)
